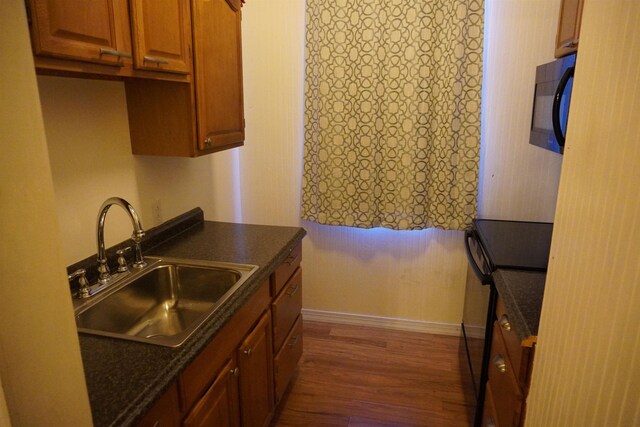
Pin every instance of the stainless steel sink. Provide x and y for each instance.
(164, 303)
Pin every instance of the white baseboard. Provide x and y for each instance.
(436, 328)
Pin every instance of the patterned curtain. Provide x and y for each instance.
(392, 113)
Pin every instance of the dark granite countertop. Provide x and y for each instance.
(522, 292)
(125, 378)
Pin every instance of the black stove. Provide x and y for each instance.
(515, 244)
(490, 245)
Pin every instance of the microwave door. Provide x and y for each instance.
(560, 113)
(551, 100)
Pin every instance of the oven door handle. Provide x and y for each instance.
(486, 279)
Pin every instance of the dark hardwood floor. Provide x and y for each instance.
(363, 376)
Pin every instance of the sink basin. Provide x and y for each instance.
(164, 303)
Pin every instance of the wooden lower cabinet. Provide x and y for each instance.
(507, 395)
(509, 374)
(286, 308)
(286, 290)
(286, 360)
(240, 376)
(219, 405)
(256, 378)
(166, 411)
(489, 412)
(242, 392)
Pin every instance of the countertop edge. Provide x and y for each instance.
(522, 292)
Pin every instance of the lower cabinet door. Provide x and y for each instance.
(219, 405)
(256, 375)
(165, 413)
(287, 358)
(489, 417)
(505, 390)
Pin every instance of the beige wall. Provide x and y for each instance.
(587, 370)
(416, 275)
(411, 275)
(40, 365)
(518, 181)
(88, 139)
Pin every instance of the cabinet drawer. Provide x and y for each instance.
(286, 309)
(506, 394)
(518, 354)
(285, 270)
(287, 359)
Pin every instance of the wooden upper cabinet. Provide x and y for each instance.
(85, 30)
(218, 73)
(568, 34)
(161, 33)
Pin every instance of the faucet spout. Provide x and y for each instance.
(136, 236)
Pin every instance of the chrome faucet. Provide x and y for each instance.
(138, 234)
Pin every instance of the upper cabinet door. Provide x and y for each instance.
(85, 30)
(568, 34)
(218, 73)
(161, 35)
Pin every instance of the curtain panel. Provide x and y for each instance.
(392, 113)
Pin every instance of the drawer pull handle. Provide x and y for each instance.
(293, 341)
(504, 322)
(248, 351)
(491, 422)
(290, 259)
(235, 372)
(155, 60)
(113, 52)
(292, 290)
(500, 363)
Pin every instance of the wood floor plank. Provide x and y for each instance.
(356, 376)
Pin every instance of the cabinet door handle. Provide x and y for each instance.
(290, 259)
(208, 142)
(500, 363)
(292, 290)
(293, 341)
(235, 372)
(247, 351)
(491, 422)
(113, 52)
(155, 60)
(504, 322)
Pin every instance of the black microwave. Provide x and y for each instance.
(551, 101)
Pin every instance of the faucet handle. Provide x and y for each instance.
(139, 262)
(83, 290)
(122, 261)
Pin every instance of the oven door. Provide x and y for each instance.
(477, 319)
